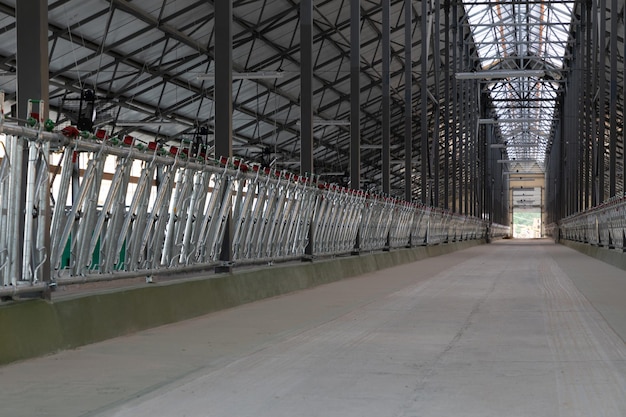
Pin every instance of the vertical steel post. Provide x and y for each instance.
(408, 100)
(588, 105)
(446, 108)
(355, 94)
(476, 144)
(386, 58)
(613, 102)
(565, 147)
(435, 156)
(455, 105)
(571, 146)
(489, 174)
(461, 146)
(462, 138)
(224, 107)
(561, 199)
(32, 83)
(470, 151)
(467, 130)
(602, 100)
(437, 116)
(424, 103)
(593, 12)
(483, 150)
(578, 133)
(306, 99)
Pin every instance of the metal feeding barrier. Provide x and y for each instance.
(603, 225)
(110, 207)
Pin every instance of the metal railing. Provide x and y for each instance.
(499, 231)
(83, 223)
(603, 225)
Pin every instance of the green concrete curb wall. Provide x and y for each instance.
(37, 327)
(610, 256)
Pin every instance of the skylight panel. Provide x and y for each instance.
(537, 34)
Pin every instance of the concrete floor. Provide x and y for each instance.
(496, 330)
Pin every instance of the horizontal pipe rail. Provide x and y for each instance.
(123, 209)
(603, 225)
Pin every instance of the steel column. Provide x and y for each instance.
(613, 102)
(355, 94)
(306, 99)
(461, 144)
(424, 103)
(437, 116)
(306, 87)
(588, 105)
(572, 138)
(462, 135)
(446, 107)
(466, 141)
(435, 156)
(386, 58)
(602, 101)
(455, 105)
(408, 100)
(465, 133)
(224, 106)
(562, 198)
(32, 53)
(579, 133)
(489, 174)
(567, 160)
(32, 83)
(594, 104)
(472, 157)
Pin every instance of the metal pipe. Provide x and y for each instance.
(29, 215)
(13, 291)
(277, 218)
(15, 187)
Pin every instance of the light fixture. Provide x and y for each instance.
(261, 75)
(139, 123)
(331, 174)
(513, 120)
(331, 122)
(513, 145)
(488, 75)
(521, 173)
(513, 161)
(323, 122)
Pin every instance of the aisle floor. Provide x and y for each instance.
(514, 328)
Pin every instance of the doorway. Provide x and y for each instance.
(526, 223)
